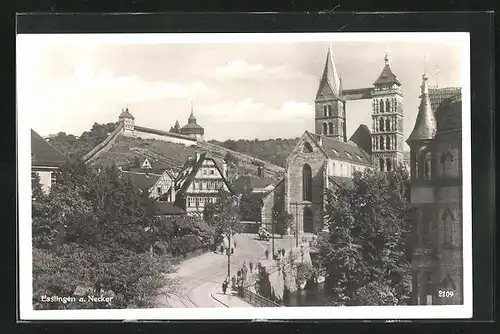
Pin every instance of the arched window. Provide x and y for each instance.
(381, 106)
(446, 163)
(382, 143)
(447, 222)
(388, 143)
(307, 183)
(389, 164)
(428, 166)
(307, 148)
(381, 124)
(325, 129)
(325, 111)
(330, 126)
(330, 111)
(416, 163)
(388, 125)
(387, 105)
(381, 163)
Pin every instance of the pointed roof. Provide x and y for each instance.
(126, 114)
(43, 153)
(425, 125)
(386, 76)
(330, 76)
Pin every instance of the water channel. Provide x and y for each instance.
(313, 295)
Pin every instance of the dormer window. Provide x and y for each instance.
(359, 157)
(335, 151)
(348, 155)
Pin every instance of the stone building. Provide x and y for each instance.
(45, 160)
(436, 198)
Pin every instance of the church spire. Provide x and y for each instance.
(425, 125)
(191, 118)
(330, 75)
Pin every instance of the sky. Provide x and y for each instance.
(241, 89)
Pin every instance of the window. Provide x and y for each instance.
(190, 201)
(416, 162)
(381, 106)
(197, 201)
(325, 129)
(325, 111)
(446, 163)
(212, 172)
(158, 189)
(389, 164)
(447, 222)
(387, 105)
(52, 178)
(428, 166)
(428, 288)
(335, 151)
(204, 172)
(388, 143)
(307, 183)
(427, 227)
(329, 111)
(330, 127)
(359, 157)
(307, 148)
(348, 155)
(388, 124)
(381, 124)
(381, 164)
(382, 143)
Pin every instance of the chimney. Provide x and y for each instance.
(224, 169)
(172, 192)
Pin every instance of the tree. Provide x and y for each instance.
(223, 215)
(99, 228)
(250, 206)
(368, 244)
(282, 220)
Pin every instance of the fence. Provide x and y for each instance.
(257, 300)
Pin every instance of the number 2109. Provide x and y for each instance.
(445, 294)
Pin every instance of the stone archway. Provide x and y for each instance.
(308, 224)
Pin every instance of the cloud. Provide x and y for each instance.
(247, 110)
(241, 70)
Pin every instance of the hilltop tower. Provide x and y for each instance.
(128, 121)
(330, 115)
(387, 117)
(193, 129)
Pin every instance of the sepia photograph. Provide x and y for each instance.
(277, 176)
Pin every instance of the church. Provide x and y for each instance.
(327, 159)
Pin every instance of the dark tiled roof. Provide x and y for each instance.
(192, 126)
(449, 114)
(438, 95)
(142, 180)
(425, 124)
(126, 113)
(363, 138)
(168, 208)
(339, 181)
(386, 77)
(44, 154)
(340, 150)
(250, 182)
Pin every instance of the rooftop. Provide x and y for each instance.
(43, 153)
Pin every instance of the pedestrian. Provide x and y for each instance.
(267, 254)
(233, 281)
(250, 265)
(224, 286)
(244, 271)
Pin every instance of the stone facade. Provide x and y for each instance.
(436, 197)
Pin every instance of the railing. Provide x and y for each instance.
(257, 300)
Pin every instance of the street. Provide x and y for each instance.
(202, 276)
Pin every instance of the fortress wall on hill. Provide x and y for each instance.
(104, 146)
(220, 152)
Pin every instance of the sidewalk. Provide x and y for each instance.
(230, 299)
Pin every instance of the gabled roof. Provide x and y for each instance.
(188, 173)
(386, 76)
(143, 181)
(362, 138)
(43, 153)
(449, 114)
(330, 77)
(425, 125)
(339, 150)
(250, 182)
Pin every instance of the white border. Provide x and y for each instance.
(361, 312)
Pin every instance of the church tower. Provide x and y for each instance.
(387, 117)
(330, 114)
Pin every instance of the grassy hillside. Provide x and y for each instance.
(273, 150)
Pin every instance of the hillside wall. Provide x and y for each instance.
(220, 152)
(104, 146)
